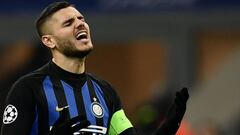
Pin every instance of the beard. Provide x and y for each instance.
(69, 50)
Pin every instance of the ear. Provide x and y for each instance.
(48, 41)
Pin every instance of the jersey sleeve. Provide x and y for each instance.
(119, 123)
(19, 110)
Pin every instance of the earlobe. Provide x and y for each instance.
(48, 41)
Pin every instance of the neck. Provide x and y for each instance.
(73, 65)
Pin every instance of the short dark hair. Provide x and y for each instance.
(47, 13)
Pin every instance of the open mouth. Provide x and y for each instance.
(81, 35)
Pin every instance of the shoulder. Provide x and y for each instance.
(38, 73)
(31, 78)
(100, 81)
(22, 92)
(106, 87)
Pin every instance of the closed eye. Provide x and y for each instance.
(68, 22)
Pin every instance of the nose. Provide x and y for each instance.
(79, 23)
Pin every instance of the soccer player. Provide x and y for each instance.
(60, 98)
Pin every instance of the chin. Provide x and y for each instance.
(85, 48)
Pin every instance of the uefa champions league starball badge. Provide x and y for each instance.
(97, 109)
(10, 114)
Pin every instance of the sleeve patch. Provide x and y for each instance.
(10, 114)
(119, 122)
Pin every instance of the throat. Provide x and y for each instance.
(73, 66)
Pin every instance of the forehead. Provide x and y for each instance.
(66, 13)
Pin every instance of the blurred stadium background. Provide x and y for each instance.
(147, 49)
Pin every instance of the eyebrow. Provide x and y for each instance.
(70, 20)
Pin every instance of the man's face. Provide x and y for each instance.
(70, 32)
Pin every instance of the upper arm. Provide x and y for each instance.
(119, 123)
(19, 110)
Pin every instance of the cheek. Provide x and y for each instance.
(64, 33)
(87, 27)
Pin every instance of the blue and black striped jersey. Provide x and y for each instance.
(33, 104)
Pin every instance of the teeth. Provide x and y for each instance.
(81, 34)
